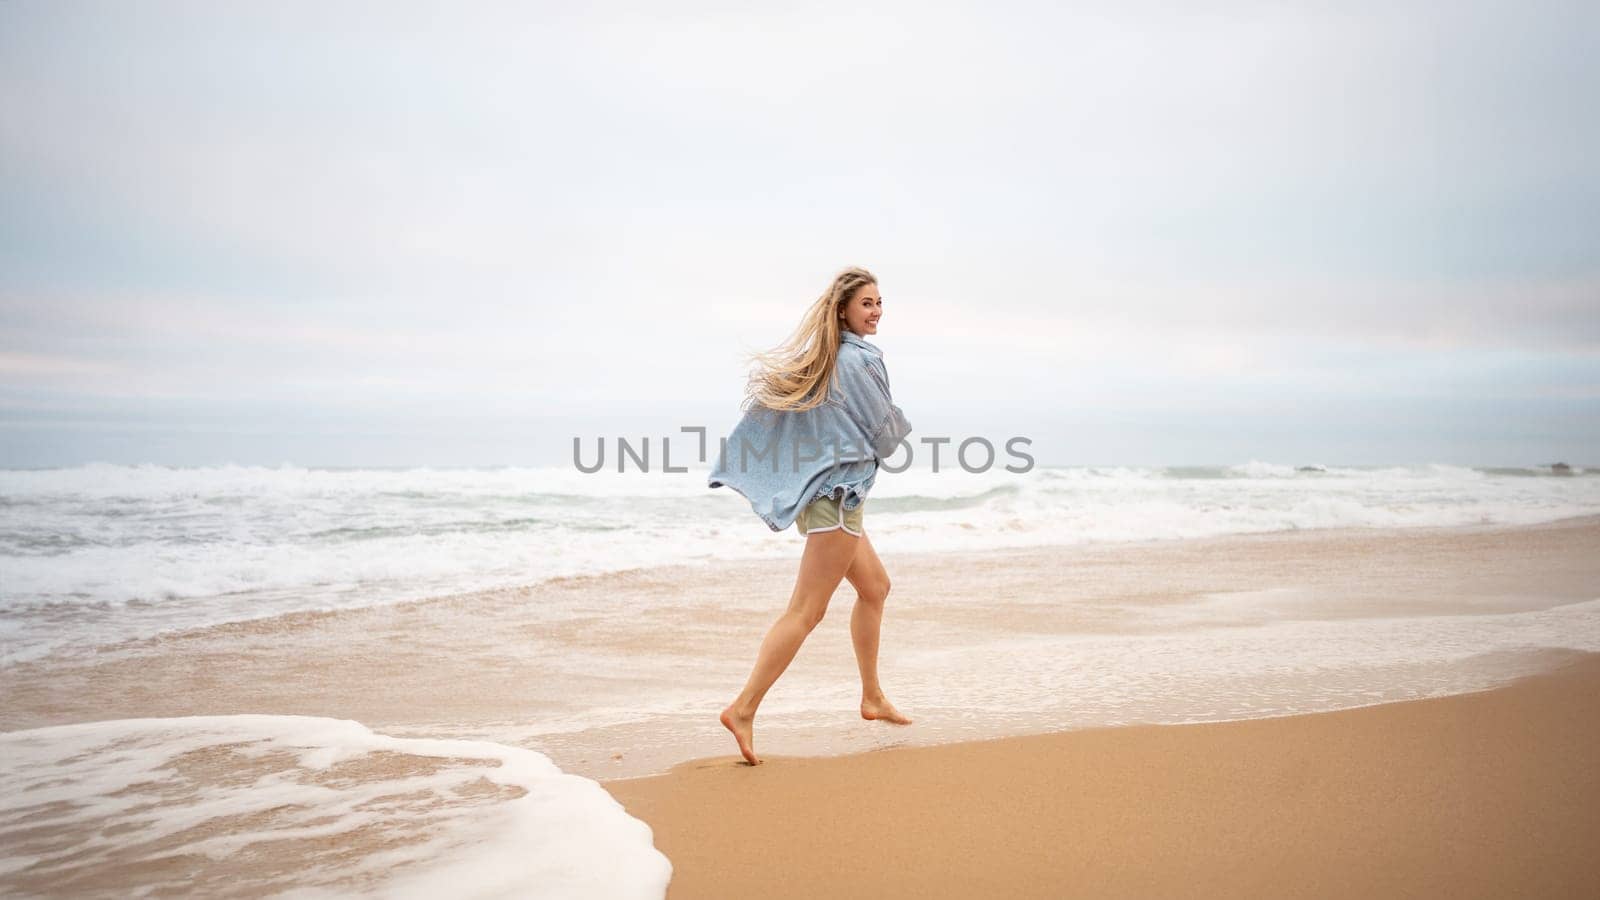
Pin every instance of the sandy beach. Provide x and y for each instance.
(1300, 713)
(1492, 794)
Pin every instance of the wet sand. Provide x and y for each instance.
(623, 674)
(1493, 794)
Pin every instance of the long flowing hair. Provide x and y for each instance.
(798, 374)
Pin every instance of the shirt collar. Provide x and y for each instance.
(846, 336)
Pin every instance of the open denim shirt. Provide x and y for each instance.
(782, 460)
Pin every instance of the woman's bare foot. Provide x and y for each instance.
(881, 708)
(743, 728)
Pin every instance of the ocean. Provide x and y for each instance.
(102, 553)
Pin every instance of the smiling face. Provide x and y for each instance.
(861, 312)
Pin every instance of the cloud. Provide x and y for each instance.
(510, 209)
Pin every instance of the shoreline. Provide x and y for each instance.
(613, 675)
(1551, 661)
(1485, 794)
(906, 559)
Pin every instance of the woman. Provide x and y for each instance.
(818, 417)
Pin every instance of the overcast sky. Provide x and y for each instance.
(1143, 233)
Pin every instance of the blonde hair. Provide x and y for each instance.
(798, 374)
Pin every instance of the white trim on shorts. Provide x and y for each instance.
(840, 526)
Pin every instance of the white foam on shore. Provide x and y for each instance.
(255, 804)
(1239, 655)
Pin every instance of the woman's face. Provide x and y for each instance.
(862, 311)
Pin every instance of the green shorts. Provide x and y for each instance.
(826, 514)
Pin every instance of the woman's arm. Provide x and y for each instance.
(865, 384)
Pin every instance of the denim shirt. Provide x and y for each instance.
(781, 460)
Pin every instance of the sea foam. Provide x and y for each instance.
(257, 804)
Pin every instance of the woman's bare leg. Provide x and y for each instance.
(822, 567)
(871, 581)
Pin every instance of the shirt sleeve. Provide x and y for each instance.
(865, 383)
